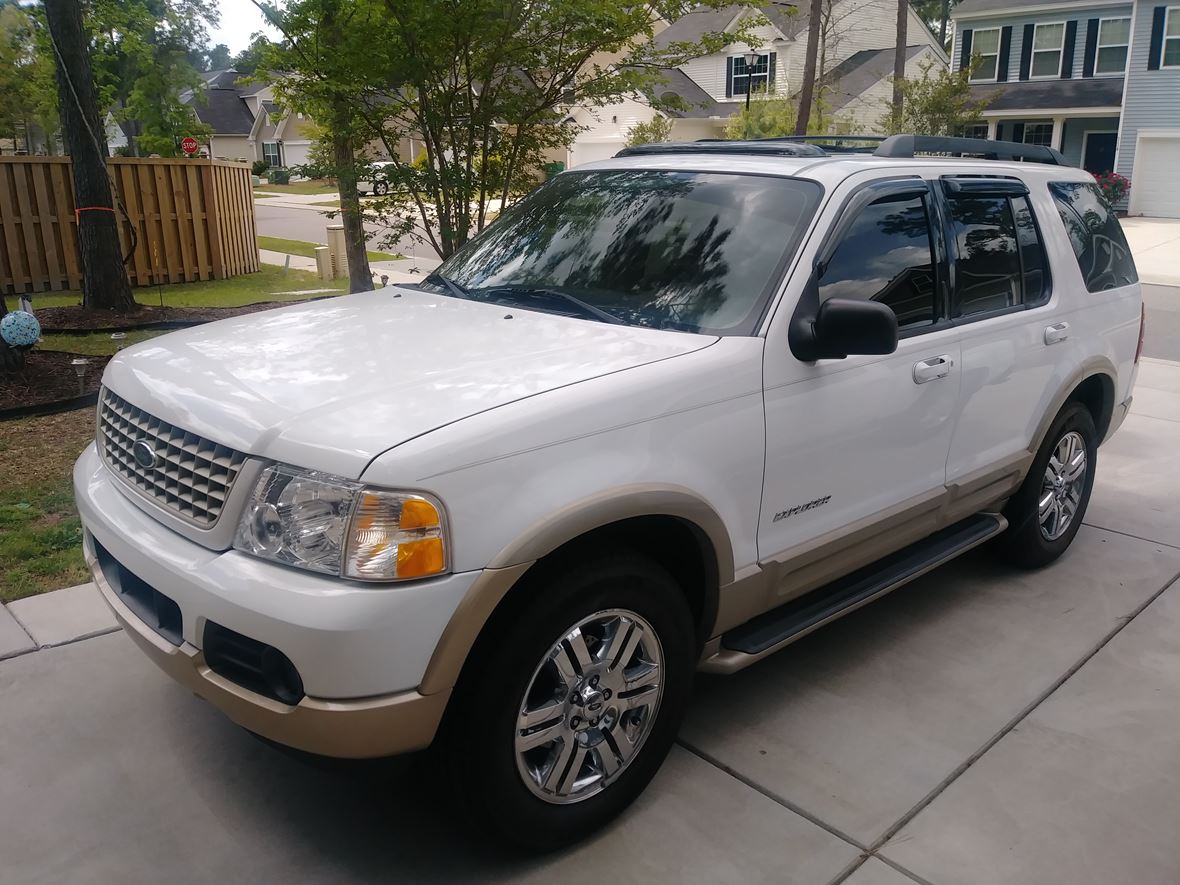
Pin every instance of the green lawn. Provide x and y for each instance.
(40, 535)
(307, 250)
(95, 343)
(269, 284)
(314, 186)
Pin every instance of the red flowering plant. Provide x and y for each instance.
(1114, 186)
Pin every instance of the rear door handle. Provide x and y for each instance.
(1056, 332)
(932, 369)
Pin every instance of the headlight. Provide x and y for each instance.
(335, 526)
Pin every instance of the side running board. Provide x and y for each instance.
(770, 631)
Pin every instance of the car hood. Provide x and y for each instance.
(332, 384)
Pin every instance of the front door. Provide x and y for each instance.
(1098, 155)
(860, 443)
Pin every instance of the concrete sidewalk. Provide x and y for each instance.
(398, 271)
(980, 726)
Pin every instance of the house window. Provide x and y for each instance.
(1048, 41)
(975, 130)
(1038, 133)
(756, 76)
(986, 44)
(1114, 36)
(1171, 55)
(271, 153)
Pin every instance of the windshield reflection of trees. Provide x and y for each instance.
(657, 267)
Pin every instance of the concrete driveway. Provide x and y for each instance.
(979, 726)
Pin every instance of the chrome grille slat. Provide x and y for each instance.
(195, 475)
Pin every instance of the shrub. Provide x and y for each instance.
(280, 176)
(259, 167)
(654, 132)
(1114, 186)
(554, 168)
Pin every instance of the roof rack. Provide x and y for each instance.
(907, 146)
(768, 147)
(836, 144)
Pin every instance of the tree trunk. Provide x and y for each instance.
(104, 279)
(360, 278)
(903, 8)
(946, 14)
(808, 90)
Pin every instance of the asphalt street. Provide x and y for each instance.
(310, 225)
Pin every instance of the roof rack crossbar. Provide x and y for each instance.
(717, 146)
(907, 146)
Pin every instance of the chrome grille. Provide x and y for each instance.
(191, 476)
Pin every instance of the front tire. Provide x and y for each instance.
(571, 701)
(1046, 512)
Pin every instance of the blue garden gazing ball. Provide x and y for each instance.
(19, 329)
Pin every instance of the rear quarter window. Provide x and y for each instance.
(1095, 234)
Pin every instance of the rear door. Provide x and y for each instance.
(1008, 324)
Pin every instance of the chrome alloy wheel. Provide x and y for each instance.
(1062, 487)
(589, 706)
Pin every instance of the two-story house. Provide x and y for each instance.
(1098, 80)
(855, 66)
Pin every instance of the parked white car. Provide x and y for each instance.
(673, 411)
(375, 182)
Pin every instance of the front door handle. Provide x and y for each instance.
(932, 369)
(1056, 332)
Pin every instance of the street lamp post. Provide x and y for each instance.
(751, 59)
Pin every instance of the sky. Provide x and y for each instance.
(239, 20)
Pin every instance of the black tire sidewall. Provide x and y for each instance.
(479, 752)
(1026, 545)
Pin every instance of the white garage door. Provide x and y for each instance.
(1155, 183)
(589, 151)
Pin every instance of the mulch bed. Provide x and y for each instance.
(48, 381)
(78, 319)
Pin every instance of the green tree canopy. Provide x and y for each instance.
(484, 86)
(939, 102)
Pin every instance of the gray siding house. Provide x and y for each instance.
(1098, 80)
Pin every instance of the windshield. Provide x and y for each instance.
(692, 251)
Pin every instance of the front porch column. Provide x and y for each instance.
(1058, 131)
(991, 129)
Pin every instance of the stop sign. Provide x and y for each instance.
(189, 145)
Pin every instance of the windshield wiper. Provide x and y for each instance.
(450, 285)
(540, 292)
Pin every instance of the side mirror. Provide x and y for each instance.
(844, 326)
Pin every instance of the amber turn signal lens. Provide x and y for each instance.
(417, 559)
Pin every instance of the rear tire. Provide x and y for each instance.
(570, 701)
(1046, 512)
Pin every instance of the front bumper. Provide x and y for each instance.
(361, 650)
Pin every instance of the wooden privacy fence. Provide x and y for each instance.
(193, 220)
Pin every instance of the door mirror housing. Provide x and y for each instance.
(846, 327)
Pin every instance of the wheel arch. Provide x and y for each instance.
(674, 526)
(1095, 387)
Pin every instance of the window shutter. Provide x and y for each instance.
(1026, 51)
(965, 50)
(729, 77)
(1071, 37)
(770, 79)
(1088, 60)
(1005, 52)
(1156, 49)
(999, 131)
(1018, 132)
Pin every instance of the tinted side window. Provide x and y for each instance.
(1097, 239)
(1032, 253)
(988, 265)
(886, 256)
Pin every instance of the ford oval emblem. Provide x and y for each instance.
(145, 456)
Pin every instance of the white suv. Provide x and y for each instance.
(672, 411)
